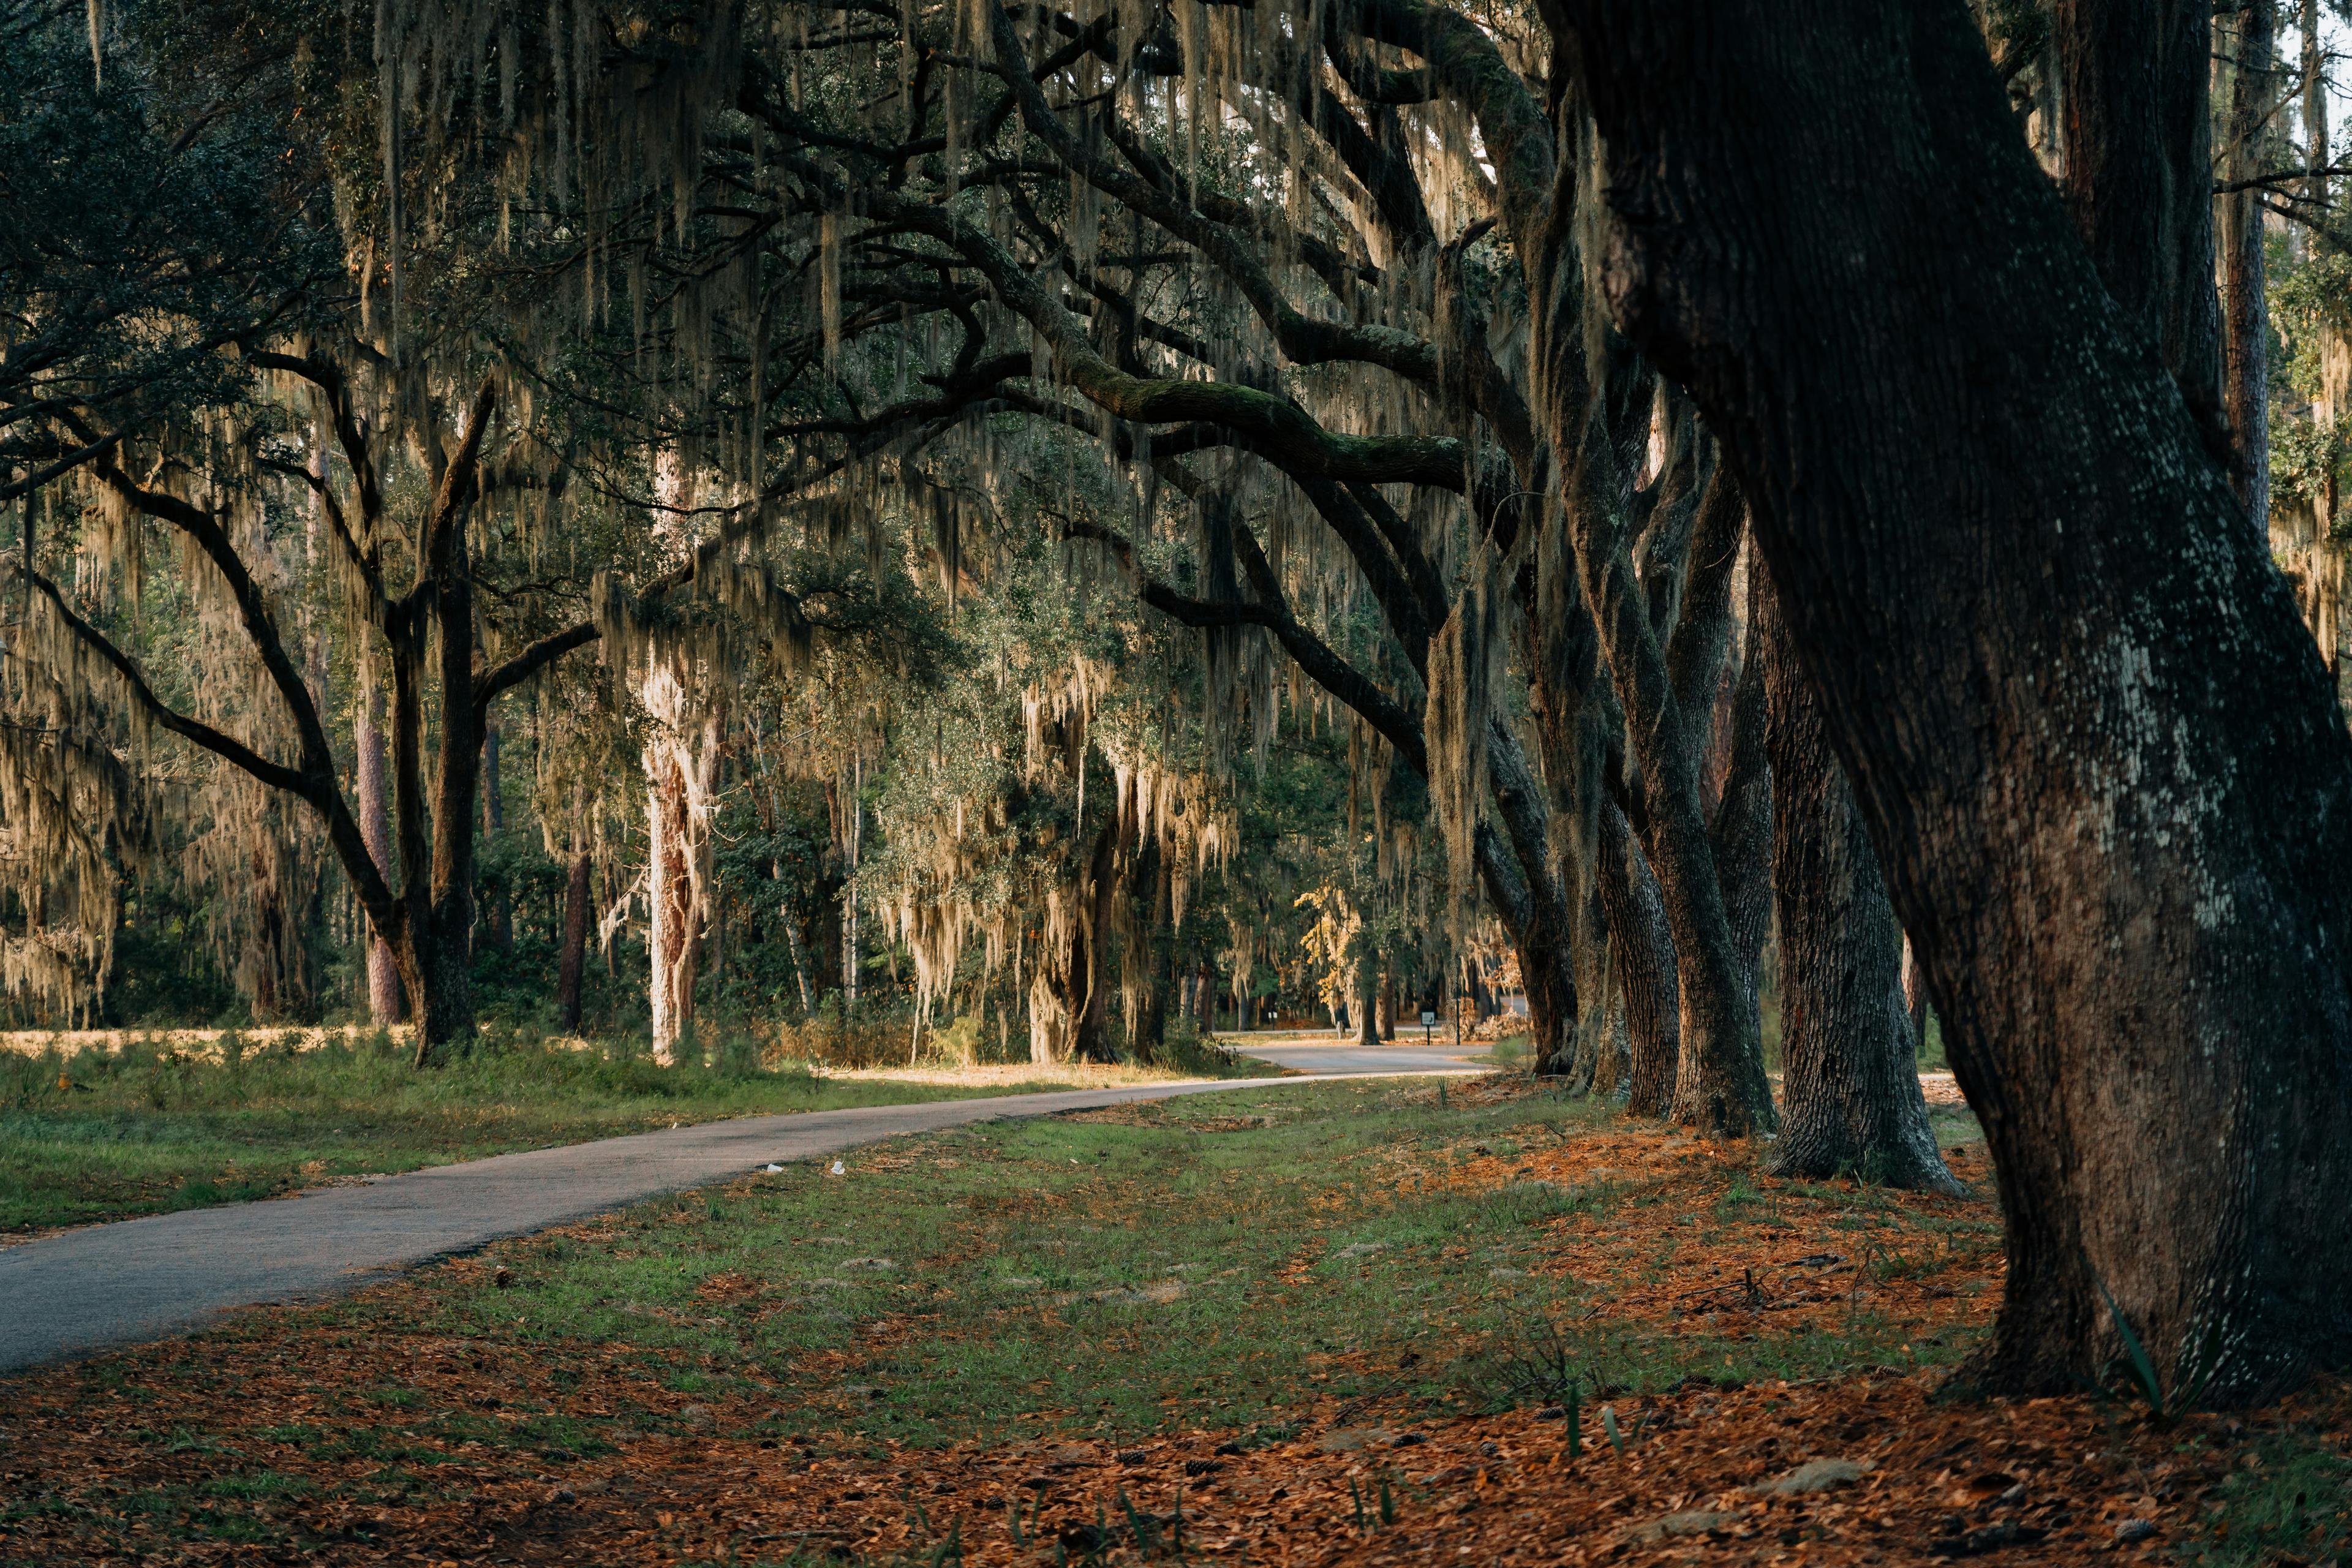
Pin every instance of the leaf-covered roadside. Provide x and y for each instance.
(1193, 1325)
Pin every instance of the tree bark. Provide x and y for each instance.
(375, 826)
(2246, 307)
(575, 946)
(673, 912)
(1093, 1041)
(1914, 992)
(1849, 1085)
(2138, 155)
(2090, 736)
(1642, 948)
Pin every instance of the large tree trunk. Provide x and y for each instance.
(575, 946)
(2091, 738)
(1850, 1091)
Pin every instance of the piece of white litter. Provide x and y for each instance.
(839, 1169)
(775, 1169)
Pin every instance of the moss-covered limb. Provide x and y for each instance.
(378, 607)
(1278, 423)
(331, 384)
(278, 775)
(1302, 339)
(1338, 272)
(1468, 68)
(315, 786)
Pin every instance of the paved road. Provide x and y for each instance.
(110, 1285)
(1330, 1057)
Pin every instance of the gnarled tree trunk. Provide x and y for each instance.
(2095, 749)
(1849, 1089)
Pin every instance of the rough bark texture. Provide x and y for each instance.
(1741, 834)
(2088, 732)
(1642, 947)
(575, 946)
(1719, 1083)
(2137, 151)
(1851, 1103)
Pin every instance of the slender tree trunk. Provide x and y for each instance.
(375, 826)
(575, 946)
(673, 915)
(1850, 1098)
(2248, 48)
(501, 901)
(1151, 1028)
(1093, 962)
(1914, 992)
(2095, 746)
(1741, 834)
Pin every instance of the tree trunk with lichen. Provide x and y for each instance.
(2103, 766)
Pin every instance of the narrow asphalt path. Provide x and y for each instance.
(112, 1285)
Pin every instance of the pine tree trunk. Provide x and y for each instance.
(575, 946)
(2092, 743)
(1849, 1089)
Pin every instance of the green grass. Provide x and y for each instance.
(144, 1131)
(2289, 1499)
(1216, 1260)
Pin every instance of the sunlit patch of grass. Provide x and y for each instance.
(99, 1135)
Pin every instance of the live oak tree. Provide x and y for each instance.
(2094, 747)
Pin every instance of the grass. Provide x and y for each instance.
(101, 1136)
(1096, 1304)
